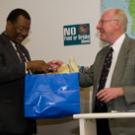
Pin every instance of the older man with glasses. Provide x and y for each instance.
(113, 74)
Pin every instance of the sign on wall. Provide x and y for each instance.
(77, 34)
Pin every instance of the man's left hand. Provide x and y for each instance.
(108, 94)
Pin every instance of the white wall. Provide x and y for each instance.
(46, 41)
(48, 17)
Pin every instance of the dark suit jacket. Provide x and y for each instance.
(123, 76)
(12, 74)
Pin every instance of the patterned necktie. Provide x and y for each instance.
(106, 68)
(102, 124)
(100, 106)
(20, 54)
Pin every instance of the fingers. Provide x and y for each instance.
(38, 66)
(101, 95)
(43, 67)
(106, 95)
(55, 64)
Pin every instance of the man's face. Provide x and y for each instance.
(107, 27)
(19, 29)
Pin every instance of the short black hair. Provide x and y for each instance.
(13, 15)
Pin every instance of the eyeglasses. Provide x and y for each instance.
(104, 21)
(22, 29)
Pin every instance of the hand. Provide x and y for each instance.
(55, 64)
(38, 66)
(108, 94)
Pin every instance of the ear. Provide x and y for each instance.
(9, 25)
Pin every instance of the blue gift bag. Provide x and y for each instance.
(52, 95)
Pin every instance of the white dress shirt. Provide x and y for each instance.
(116, 48)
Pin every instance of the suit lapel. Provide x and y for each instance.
(9, 47)
(121, 63)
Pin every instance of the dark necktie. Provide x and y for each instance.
(20, 54)
(106, 68)
(100, 106)
(102, 124)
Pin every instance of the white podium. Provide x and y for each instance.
(87, 120)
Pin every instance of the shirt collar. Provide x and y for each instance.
(118, 43)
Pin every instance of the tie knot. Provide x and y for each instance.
(109, 53)
(110, 50)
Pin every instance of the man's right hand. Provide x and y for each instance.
(38, 66)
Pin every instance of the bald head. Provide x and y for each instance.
(119, 15)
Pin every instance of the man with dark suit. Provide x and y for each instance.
(118, 92)
(14, 63)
